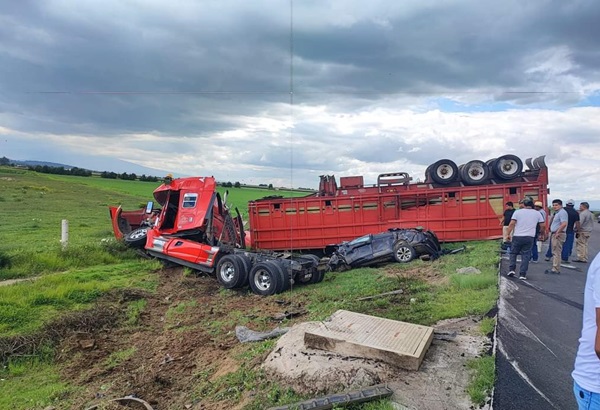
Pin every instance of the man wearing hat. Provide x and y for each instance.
(586, 225)
(572, 226)
(537, 245)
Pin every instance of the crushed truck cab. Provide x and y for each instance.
(194, 227)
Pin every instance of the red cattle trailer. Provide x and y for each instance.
(458, 203)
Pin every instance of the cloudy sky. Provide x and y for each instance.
(282, 91)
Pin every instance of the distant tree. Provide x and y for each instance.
(228, 184)
(270, 186)
(4, 161)
(237, 184)
(108, 175)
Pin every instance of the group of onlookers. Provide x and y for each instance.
(525, 229)
(566, 226)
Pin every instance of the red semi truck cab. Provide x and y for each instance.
(195, 228)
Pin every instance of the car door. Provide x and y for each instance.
(359, 251)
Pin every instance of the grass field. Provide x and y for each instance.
(94, 265)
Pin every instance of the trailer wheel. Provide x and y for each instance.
(136, 238)
(474, 172)
(443, 171)
(507, 167)
(403, 252)
(231, 272)
(286, 279)
(265, 279)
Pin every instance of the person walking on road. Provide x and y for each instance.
(586, 375)
(508, 213)
(582, 236)
(572, 226)
(557, 234)
(521, 234)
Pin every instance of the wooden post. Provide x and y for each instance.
(64, 237)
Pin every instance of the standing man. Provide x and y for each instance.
(586, 225)
(557, 234)
(586, 386)
(572, 226)
(508, 213)
(521, 233)
(537, 242)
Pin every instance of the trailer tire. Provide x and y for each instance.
(265, 279)
(443, 171)
(136, 238)
(247, 266)
(317, 276)
(231, 272)
(474, 173)
(507, 167)
(403, 252)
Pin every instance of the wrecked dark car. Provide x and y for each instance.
(400, 245)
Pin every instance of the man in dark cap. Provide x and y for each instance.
(572, 226)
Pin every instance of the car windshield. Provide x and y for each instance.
(361, 240)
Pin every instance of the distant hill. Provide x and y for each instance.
(94, 164)
(29, 163)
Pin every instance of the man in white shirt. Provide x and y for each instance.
(521, 233)
(586, 374)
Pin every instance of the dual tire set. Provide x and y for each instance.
(474, 172)
(267, 277)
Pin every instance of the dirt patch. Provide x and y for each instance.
(162, 359)
(425, 272)
(440, 383)
(181, 341)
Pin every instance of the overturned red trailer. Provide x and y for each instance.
(458, 203)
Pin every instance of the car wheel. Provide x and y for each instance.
(231, 272)
(404, 253)
(507, 167)
(136, 238)
(474, 172)
(265, 279)
(443, 171)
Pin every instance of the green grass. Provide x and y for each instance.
(482, 378)
(116, 358)
(32, 384)
(26, 306)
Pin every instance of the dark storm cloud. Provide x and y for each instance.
(453, 47)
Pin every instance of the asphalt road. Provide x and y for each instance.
(539, 324)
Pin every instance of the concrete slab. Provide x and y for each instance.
(354, 334)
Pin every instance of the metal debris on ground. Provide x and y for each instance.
(245, 335)
(371, 393)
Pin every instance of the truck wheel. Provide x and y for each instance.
(265, 279)
(474, 172)
(443, 171)
(286, 282)
(403, 252)
(136, 238)
(507, 167)
(231, 272)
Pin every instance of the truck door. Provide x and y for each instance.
(195, 200)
